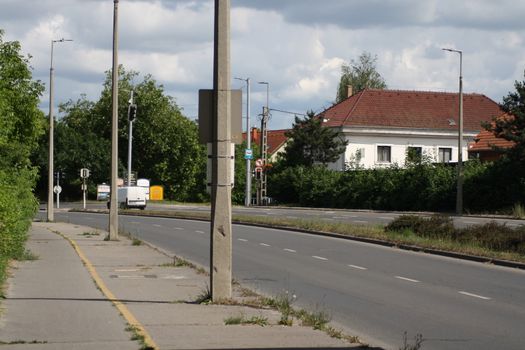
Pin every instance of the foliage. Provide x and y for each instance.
(310, 142)
(361, 74)
(165, 143)
(21, 124)
(492, 235)
(512, 127)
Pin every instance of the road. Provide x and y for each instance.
(360, 217)
(373, 291)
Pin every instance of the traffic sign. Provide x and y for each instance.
(248, 153)
(57, 189)
(84, 173)
(259, 162)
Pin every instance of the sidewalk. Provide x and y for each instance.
(84, 293)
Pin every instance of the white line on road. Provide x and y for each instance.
(178, 228)
(407, 279)
(200, 231)
(242, 239)
(134, 222)
(471, 222)
(358, 267)
(290, 250)
(361, 221)
(385, 217)
(319, 257)
(157, 225)
(126, 270)
(265, 245)
(474, 295)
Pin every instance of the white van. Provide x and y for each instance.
(131, 197)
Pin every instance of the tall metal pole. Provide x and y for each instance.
(459, 193)
(248, 190)
(130, 140)
(221, 228)
(50, 172)
(264, 146)
(113, 210)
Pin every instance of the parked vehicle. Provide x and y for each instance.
(131, 197)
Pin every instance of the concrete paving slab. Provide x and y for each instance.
(54, 300)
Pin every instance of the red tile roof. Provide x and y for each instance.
(276, 138)
(487, 141)
(411, 109)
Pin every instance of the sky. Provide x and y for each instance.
(297, 46)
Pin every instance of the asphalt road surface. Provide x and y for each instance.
(360, 217)
(373, 291)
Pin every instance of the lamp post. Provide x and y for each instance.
(459, 197)
(261, 195)
(248, 191)
(50, 175)
(113, 209)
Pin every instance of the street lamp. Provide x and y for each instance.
(459, 197)
(248, 191)
(261, 193)
(50, 175)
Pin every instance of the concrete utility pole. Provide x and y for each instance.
(459, 194)
(50, 172)
(248, 190)
(113, 210)
(221, 210)
(262, 198)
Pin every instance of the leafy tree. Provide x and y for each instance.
(361, 74)
(310, 142)
(165, 143)
(512, 127)
(21, 124)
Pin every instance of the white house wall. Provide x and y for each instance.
(399, 140)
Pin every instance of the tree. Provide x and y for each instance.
(361, 74)
(511, 127)
(310, 142)
(21, 124)
(165, 143)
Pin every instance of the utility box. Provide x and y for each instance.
(156, 193)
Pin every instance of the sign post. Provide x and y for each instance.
(84, 174)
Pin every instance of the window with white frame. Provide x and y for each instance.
(445, 154)
(384, 154)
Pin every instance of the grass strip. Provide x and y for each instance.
(375, 232)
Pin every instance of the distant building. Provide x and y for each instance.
(488, 147)
(383, 126)
(276, 142)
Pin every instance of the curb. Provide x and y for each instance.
(475, 258)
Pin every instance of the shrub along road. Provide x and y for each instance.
(376, 291)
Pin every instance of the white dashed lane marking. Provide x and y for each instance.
(242, 239)
(474, 295)
(265, 245)
(407, 279)
(358, 267)
(290, 250)
(157, 225)
(178, 228)
(319, 257)
(199, 231)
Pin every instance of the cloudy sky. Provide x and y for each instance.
(297, 46)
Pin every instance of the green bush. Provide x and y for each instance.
(494, 236)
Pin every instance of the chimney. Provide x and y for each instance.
(349, 91)
(255, 135)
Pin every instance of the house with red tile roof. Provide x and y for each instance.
(487, 146)
(276, 142)
(383, 126)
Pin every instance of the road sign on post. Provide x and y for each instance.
(84, 173)
(248, 154)
(57, 189)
